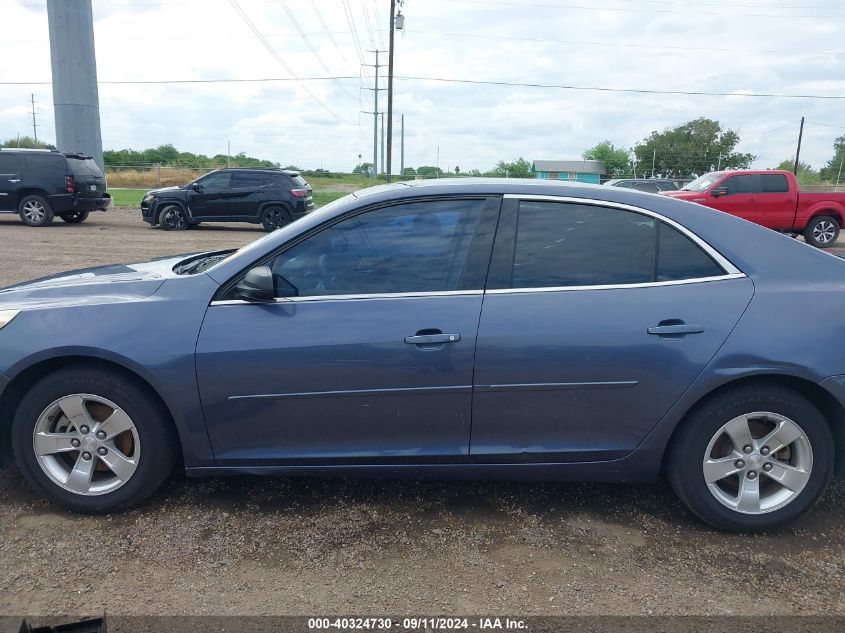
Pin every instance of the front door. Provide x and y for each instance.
(367, 354)
(211, 199)
(739, 199)
(595, 321)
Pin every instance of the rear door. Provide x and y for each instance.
(596, 319)
(776, 202)
(245, 193)
(89, 181)
(10, 180)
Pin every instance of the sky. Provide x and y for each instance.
(790, 47)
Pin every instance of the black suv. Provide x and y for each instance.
(271, 197)
(41, 184)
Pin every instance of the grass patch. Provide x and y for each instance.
(127, 197)
(132, 197)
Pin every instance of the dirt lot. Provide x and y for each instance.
(281, 546)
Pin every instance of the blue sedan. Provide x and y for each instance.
(468, 328)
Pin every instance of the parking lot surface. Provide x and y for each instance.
(304, 546)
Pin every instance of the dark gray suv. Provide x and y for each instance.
(270, 197)
(41, 184)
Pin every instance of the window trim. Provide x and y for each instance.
(731, 271)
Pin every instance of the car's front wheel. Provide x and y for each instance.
(752, 459)
(74, 217)
(173, 218)
(92, 441)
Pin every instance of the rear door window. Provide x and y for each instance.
(773, 183)
(246, 180)
(8, 164)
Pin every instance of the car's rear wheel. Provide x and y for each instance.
(173, 218)
(92, 441)
(752, 459)
(273, 218)
(35, 211)
(74, 217)
(822, 232)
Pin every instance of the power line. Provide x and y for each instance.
(368, 23)
(279, 59)
(624, 44)
(594, 8)
(377, 19)
(319, 59)
(840, 127)
(316, 7)
(479, 82)
(347, 9)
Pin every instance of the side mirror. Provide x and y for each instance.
(256, 286)
(719, 191)
(196, 186)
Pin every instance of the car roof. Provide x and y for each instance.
(263, 170)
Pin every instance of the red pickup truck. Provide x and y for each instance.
(771, 199)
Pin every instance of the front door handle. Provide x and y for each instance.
(14, 179)
(676, 329)
(432, 339)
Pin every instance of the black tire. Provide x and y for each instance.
(822, 231)
(158, 439)
(35, 211)
(74, 217)
(688, 450)
(173, 218)
(273, 218)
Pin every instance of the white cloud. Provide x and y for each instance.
(473, 125)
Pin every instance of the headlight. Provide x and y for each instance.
(149, 197)
(6, 316)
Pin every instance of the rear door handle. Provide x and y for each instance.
(432, 339)
(676, 329)
(14, 179)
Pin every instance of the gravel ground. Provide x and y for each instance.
(297, 546)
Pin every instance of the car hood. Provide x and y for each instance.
(690, 196)
(165, 190)
(119, 282)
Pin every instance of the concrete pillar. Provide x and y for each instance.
(75, 97)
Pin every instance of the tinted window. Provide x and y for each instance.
(84, 167)
(8, 163)
(246, 180)
(560, 244)
(681, 258)
(649, 187)
(299, 181)
(219, 180)
(739, 184)
(272, 180)
(421, 247)
(773, 183)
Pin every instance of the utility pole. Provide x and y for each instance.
(397, 23)
(402, 150)
(228, 152)
(719, 163)
(375, 111)
(382, 141)
(798, 151)
(73, 64)
(34, 126)
(653, 160)
(839, 175)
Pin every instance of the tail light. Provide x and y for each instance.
(299, 193)
(70, 184)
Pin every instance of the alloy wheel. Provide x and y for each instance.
(34, 211)
(824, 232)
(173, 218)
(758, 463)
(86, 444)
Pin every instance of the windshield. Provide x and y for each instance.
(703, 183)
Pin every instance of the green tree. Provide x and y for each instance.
(695, 147)
(428, 170)
(409, 171)
(806, 174)
(26, 142)
(616, 160)
(519, 168)
(831, 171)
(363, 168)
